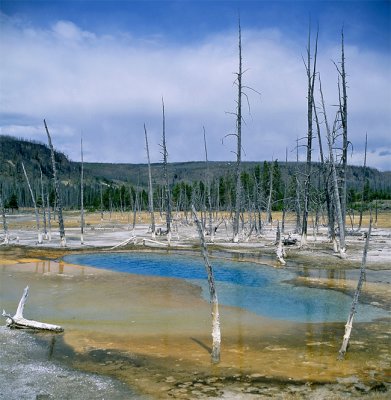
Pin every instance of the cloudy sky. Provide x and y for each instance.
(100, 69)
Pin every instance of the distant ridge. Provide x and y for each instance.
(35, 155)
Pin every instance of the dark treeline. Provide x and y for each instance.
(266, 185)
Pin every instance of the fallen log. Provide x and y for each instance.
(124, 243)
(19, 322)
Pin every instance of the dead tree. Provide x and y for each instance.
(238, 196)
(166, 180)
(284, 203)
(280, 251)
(45, 232)
(5, 225)
(101, 203)
(270, 196)
(57, 190)
(49, 218)
(81, 194)
(19, 322)
(337, 201)
(363, 182)
(208, 195)
(216, 333)
(349, 323)
(150, 191)
(311, 72)
(39, 234)
(298, 191)
(343, 111)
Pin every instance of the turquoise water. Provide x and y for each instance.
(257, 288)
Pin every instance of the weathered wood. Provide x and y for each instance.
(39, 235)
(124, 243)
(166, 180)
(57, 189)
(337, 201)
(81, 194)
(280, 252)
(216, 333)
(210, 230)
(5, 225)
(150, 189)
(363, 182)
(43, 206)
(19, 322)
(349, 323)
(311, 73)
(238, 196)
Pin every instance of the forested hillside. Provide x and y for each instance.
(124, 186)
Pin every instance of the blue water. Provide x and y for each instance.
(257, 288)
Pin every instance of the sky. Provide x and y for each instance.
(100, 69)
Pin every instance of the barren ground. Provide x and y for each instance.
(153, 333)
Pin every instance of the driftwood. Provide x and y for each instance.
(125, 242)
(19, 322)
(349, 323)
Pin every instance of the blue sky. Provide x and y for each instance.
(100, 68)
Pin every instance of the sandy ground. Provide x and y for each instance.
(153, 333)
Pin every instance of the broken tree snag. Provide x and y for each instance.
(150, 189)
(19, 322)
(280, 252)
(239, 75)
(35, 205)
(5, 225)
(81, 193)
(57, 189)
(216, 333)
(349, 323)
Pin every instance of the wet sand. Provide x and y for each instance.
(154, 335)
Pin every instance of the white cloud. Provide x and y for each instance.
(107, 87)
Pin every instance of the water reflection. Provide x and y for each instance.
(258, 288)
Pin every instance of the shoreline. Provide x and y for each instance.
(172, 360)
(153, 335)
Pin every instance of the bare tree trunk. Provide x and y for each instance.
(43, 207)
(330, 135)
(209, 200)
(101, 202)
(5, 225)
(57, 189)
(39, 234)
(297, 199)
(363, 183)
(343, 109)
(81, 194)
(284, 203)
(280, 252)
(310, 100)
(349, 323)
(270, 197)
(49, 219)
(167, 184)
(216, 333)
(239, 145)
(150, 191)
